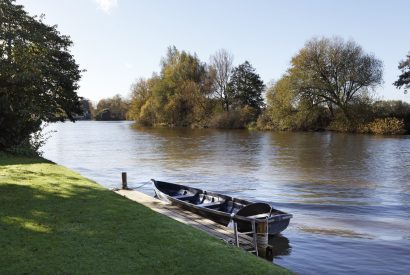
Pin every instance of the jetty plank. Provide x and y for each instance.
(187, 217)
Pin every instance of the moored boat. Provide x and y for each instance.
(221, 208)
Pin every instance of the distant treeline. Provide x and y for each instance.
(114, 108)
(329, 85)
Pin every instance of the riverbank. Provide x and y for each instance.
(52, 220)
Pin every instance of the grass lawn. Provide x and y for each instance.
(52, 220)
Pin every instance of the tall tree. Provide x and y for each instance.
(247, 87)
(177, 96)
(221, 65)
(182, 88)
(335, 72)
(38, 75)
(404, 78)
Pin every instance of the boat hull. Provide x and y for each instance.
(221, 209)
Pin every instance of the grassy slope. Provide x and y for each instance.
(53, 220)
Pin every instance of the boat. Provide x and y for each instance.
(222, 209)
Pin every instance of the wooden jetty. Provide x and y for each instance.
(214, 229)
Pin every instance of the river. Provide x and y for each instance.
(349, 194)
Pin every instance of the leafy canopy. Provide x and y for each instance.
(38, 75)
(334, 72)
(176, 96)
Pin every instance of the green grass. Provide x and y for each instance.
(53, 220)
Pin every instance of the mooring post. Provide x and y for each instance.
(124, 180)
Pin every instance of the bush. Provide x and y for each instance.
(226, 120)
(385, 126)
(341, 124)
(248, 115)
(30, 146)
(238, 119)
(264, 122)
(393, 108)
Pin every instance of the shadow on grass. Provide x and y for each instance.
(8, 159)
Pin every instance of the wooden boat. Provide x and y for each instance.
(222, 209)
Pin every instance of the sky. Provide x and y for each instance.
(119, 41)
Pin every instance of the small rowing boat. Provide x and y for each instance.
(221, 208)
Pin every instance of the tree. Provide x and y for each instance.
(247, 87)
(281, 107)
(114, 108)
(140, 94)
(180, 93)
(221, 65)
(335, 73)
(404, 78)
(286, 111)
(175, 97)
(38, 75)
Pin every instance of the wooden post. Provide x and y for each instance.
(255, 237)
(124, 180)
(235, 229)
(262, 236)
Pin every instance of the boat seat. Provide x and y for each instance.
(210, 204)
(259, 216)
(183, 197)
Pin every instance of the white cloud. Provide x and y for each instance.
(107, 5)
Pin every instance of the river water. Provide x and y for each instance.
(349, 194)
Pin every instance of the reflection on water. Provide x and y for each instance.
(280, 244)
(350, 194)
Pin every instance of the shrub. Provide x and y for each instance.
(264, 122)
(341, 124)
(227, 120)
(30, 146)
(385, 126)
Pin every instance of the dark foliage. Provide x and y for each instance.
(404, 78)
(38, 75)
(247, 87)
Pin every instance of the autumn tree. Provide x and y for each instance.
(143, 104)
(404, 78)
(178, 96)
(335, 72)
(286, 111)
(38, 75)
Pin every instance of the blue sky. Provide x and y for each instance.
(118, 41)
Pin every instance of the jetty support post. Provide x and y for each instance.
(264, 249)
(124, 180)
(235, 229)
(255, 237)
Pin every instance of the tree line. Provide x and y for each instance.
(330, 84)
(190, 93)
